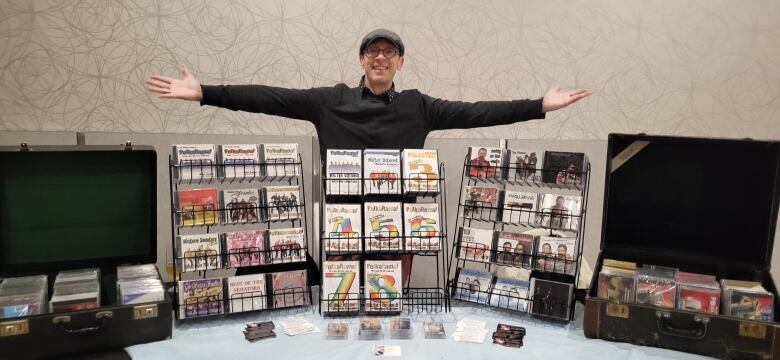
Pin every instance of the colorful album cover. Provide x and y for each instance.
(420, 170)
(240, 161)
(655, 288)
(514, 249)
(551, 298)
(525, 165)
(281, 159)
(246, 292)
(383, 285)
(480, 203)
(198, 207)
(384, 226)
(198, 252)
(561, 211)
(699, 299)
(290, 288)
(283, 202)
(341, 286)
(564, 168)
(616, 285)
(343, 228)
(200, 297)
(473, 285)
(509, 294)
(751, 305)
(556, 254)
(343, 169)
(195, 162)
(485, 162)
(520, 207)
(382, 171)
(245, 248)
(241, 205)
(422, 227)
(287, 245)
(475, 244)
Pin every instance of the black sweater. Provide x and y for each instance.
(350, 118)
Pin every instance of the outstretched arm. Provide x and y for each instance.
(445, 114)
(304, 104)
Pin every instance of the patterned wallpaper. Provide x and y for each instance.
(698, 67)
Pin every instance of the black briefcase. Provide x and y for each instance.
(706, 206)
(72, 208)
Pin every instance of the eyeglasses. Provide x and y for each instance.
(389, 52)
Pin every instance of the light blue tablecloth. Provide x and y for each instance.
(222, 338)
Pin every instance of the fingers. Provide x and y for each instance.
(577, 92)
(579, 96)
(164, 79)
(158, 83)
(158, 90)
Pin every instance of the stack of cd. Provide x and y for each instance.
(76, 290)
(23, 296)
(747, 300)
(138, 284)
(509, 335)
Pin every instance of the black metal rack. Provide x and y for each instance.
(421, 243)
(262, 217)
(548, 266)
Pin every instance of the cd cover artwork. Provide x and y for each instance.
(564, 168)
(485, 162)
(290, 288)
(551, 298)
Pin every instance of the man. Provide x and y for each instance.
(559, 214)
(480, 167)
(371, 115)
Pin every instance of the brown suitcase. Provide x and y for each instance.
(701, 205)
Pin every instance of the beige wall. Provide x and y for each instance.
(698, 67)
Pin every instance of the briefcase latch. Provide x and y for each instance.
(617, 310)
(145, 312)
(752, 330)
(13, 328)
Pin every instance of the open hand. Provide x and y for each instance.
(555, 99)
(188, 88)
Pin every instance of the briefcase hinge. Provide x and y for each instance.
(752, 330)
(13, 328)
(617, 310)
(145, 312)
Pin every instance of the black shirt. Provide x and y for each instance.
(354, 118)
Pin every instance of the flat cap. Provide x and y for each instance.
(382, 34)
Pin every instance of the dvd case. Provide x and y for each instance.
(551, 298)
(561, 211)
(509, 294)
(514, 249)
(382, 171)
(384, 225)
(525, 165)
(290, 288)
(283, 202)
(198, 252)
(422, 227)
(475, 244)
(343, 169)
(485, 162)
(556, 254)
(241, 205)
(195, 162)
(200, 297)
(197, 207)
(564, 168)
(287, 245)
(520, 207)
(341, 286)
(383, 285)
(420, 171)
(281, 160)
(240, 161)
(473, 285)
(246, 292)
(481, 203)
(245, 248)
(342, 228)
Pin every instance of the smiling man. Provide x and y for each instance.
(372, 115)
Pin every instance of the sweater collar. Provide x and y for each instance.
(388, 95)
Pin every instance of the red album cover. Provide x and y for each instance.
(198, 207)
(693, 298)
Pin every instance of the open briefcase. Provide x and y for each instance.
(73, 208)
(705, 206)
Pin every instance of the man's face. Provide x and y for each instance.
(559, 201)
(481, 154)
(380, 69)
(561, 250)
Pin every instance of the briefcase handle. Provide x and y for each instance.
(102, 318)
(697, 331)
